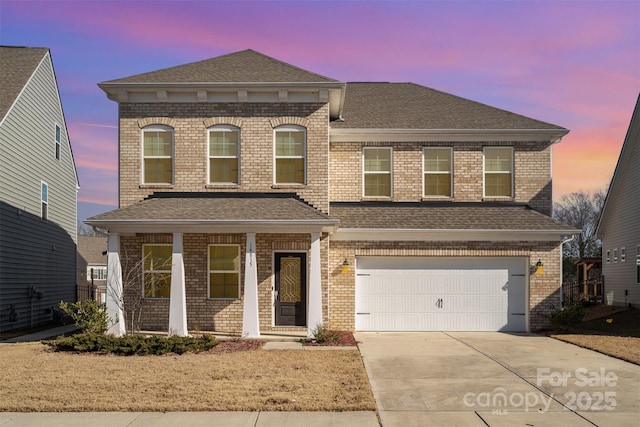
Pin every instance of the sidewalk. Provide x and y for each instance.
(191, 419)
(42, 335)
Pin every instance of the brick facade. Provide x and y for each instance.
(256, 122)
(203, 313)
(532, 171)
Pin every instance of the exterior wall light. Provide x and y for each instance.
(345, 266)
(539, 270)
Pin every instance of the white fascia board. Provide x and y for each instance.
(446, 135)
(209, 227)
(369, 234)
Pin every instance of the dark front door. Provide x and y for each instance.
(291, 289)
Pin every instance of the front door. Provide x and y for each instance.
(291, 289)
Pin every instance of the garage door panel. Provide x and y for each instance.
(421, 294)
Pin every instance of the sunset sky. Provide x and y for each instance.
(571, 63)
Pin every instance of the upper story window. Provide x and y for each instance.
(615, 255)
(44, 200)
(377, 171)
(290, 155)
(623, 254)
(157, 158)
(157, 270)
(224, 155)
(498, 172)
(437, 165)
(99, 273)
(58, 138)
(608, 256)
(638, 264)
(224, 271)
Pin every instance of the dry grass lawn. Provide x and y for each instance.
(607, 329)
(36, 379)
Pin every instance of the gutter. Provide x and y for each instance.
(561, 269)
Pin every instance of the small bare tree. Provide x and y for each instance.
(581, 210)
(131, 300)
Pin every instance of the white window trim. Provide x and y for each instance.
(289, 128)
(615, 255)
(144, 272)
(209, 271)
(484, 173)
(608, 256)
(57, 136)
(364, 172)
(425, 172)
(623, 254)
(44, 215)
(228, 128)
(156, 128)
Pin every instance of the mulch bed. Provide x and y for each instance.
(344, 339)
(235, 345)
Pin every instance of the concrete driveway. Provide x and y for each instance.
(496, 379)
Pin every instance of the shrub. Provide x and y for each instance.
(568, 315)
(89, 316)
(129, 345)
(323, 335)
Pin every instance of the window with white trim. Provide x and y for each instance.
(224, 154)
(157, 155)
(99, 273)
(377, 171)
(437, 172)
(290, 152)
(623, 254)
(58, 139)
(615, 255)
(157, 270)
(608, 257)
(498, 172)
(44, 201)
(224, 271)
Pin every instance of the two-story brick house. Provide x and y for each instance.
(257, 196)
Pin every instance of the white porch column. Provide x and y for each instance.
(178, 297)
(115, 291)
(250, 323)
(314, 314)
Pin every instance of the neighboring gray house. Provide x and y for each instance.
(38, 187)
(92, 267)
(619, 224)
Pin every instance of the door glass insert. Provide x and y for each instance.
(290, 280)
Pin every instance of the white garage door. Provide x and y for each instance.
(440, 294)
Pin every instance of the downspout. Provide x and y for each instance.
(561, 262)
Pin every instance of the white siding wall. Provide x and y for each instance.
(621, 225)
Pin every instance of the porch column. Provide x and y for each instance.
(178, 297)
(250, 323)
(115, 291)
(314, 318)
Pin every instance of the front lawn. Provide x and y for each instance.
(607, 330)
(37, 379)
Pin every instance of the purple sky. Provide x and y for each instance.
(571, 63)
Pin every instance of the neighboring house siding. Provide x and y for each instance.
(256, 122)
(532, 171)
(33, 252)
(621, 228)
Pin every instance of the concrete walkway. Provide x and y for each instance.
(190, 419)
(495, 379)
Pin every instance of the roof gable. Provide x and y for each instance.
(412, 106)
(247, 66)
(630, 148)
(17, 65)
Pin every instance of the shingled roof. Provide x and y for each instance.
(443, 216)
(217, 209)
(411, 106)
(17, 65)
(247, 66)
